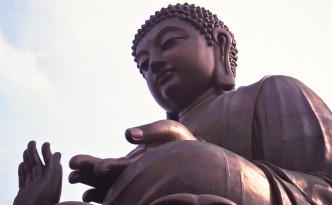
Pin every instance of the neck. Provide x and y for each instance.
(195, 106)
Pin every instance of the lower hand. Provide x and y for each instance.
(102, 173)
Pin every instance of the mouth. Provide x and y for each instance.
(164, 76)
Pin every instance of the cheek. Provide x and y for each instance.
(203, 65)
(152, 90)
(205, 56)
(151, 84)
(208, 63)
(195, 56)
(199, 65)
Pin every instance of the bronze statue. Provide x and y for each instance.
(266, 143)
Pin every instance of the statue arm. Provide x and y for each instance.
(292, 125)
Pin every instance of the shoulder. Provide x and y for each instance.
(281, 81)
(273, 89)
(268, 85)
(285, 91)
(295, 121)
(276, 81)
(280, 85)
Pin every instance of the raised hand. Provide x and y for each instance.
(39, 183)
(102, 173)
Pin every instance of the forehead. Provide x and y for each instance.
(161, 27)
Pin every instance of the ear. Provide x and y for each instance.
(224, 76)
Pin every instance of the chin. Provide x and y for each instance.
(172, 91)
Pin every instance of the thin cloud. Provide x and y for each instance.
(22, 79)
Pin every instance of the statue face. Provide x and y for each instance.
(177, 63)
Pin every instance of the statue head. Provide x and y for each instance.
(191, 42)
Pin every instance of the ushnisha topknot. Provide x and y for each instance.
(199, 17)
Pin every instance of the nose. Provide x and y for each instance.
(157, 62)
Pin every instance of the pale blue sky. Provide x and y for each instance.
(67, 76)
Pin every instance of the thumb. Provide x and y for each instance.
(158, 132)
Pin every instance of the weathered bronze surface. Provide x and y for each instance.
(266, 143)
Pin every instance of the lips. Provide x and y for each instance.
(164, 76)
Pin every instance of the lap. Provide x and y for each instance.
(198, 168)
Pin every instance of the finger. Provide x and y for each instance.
(35, 162)
(158, 132)
(47, 154)
(138, 150)
(21, 175)
(79, 176)
(55, 163)
(54, 170)
(108, 167)
(93, 181)
(74, 177)
(27, 167)
(84, 162)
(94, 195)
(53, 176)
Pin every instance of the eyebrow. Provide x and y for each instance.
(159, 36)
(166, 30)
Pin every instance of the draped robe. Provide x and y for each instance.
(266, 143)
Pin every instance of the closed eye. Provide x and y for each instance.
(144, 66)
(171, 43)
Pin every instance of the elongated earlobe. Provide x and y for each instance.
(224, 76)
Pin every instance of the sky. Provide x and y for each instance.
(67, 75)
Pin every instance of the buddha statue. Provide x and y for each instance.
(266, 143)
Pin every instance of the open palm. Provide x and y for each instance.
(39, 183)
